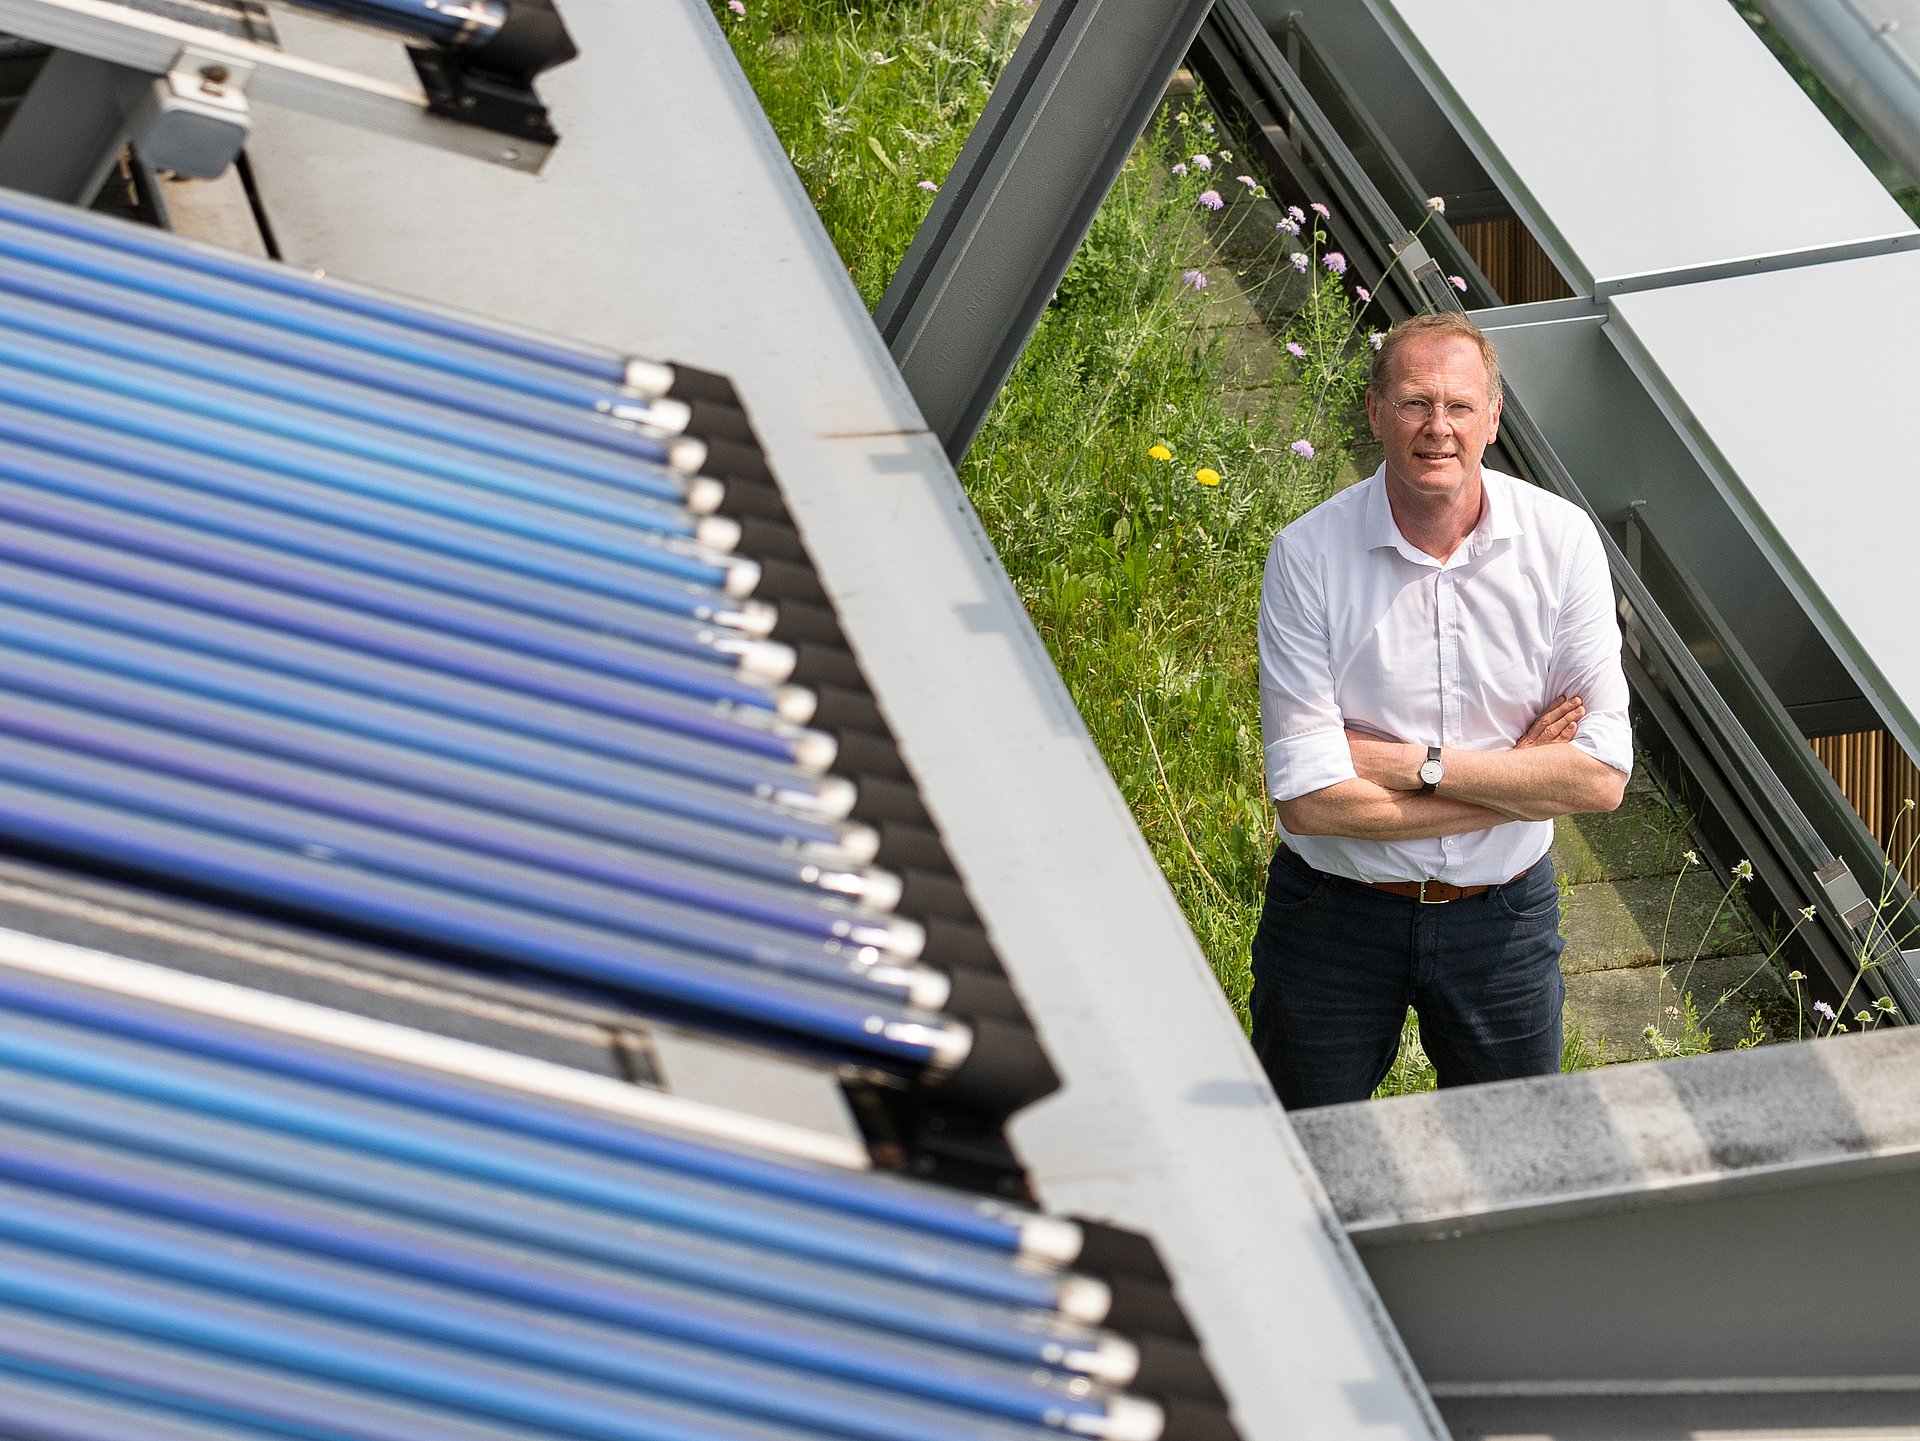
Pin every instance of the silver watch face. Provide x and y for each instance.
(1430, 773)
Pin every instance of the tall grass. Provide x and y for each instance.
(1130, 502)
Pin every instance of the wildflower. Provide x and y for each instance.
(1303, 449)
(1248, 181)
(1458, 282)
(1673, 1011)
(1863, 1017)
(1796, 975)
(1296, 350)
(1159, 452)
(1806, 913)
(1210, 200)
(1196, 278)
(1692, 858)
(1320, 210)
(1335, 261)
(1227, 155)
(1884, 1003)
(738, 7)
(1207, 475)
(1203, 162)
(1364, 293)
(1296, 215)
(1300, 261)
(1288, 227)
(1207, 125)
(1180, 170)
(929, 185)
(1743, 870)
(1826, 1010)
(1436, 205)
(1376, 339)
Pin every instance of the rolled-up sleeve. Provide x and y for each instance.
(1586, 652)
(1301, 727)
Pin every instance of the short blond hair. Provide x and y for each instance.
(1442, 324)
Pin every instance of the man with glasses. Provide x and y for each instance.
(1439, 678)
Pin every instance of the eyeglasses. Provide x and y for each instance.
(1418, 411)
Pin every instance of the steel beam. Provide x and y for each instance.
(1062, 120)
(1650, 1241)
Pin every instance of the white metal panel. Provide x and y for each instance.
(669, 221)
(1795, 388)
(1640, 136)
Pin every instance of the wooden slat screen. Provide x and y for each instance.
(1878, 780)
(1512, 261)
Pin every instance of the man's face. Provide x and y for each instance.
(1434, 416)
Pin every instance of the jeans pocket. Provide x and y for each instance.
(1292, 884)
(1533, 897)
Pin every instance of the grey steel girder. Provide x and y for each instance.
(1059, 126)
(1683, 1239)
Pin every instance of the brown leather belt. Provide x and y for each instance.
(1432, 893)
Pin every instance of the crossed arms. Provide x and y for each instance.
(1539, 778)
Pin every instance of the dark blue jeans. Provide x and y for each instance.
(1336, 964)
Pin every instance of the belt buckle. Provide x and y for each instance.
(1436, 901)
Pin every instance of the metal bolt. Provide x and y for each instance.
(213, 78)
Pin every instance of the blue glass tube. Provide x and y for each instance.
(309, 430)
(484, 1268)
(578, 436)
(590, 361)
(312, 529)
(367, 1296)
(786, 995)
(712, 675)
(196, 1396)
(87, 316)
(379, 519)
(156, 1160)
(414, 1370)
(81, 255)
(318, 792)
(737, 755)
(647, 539)
(812, 939)
(400, 645)
(772, 813)
(39, 1405)
(781, 846)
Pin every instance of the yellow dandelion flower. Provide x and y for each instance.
(1207, 475)
(1159, 452)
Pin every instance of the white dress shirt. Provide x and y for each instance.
(1359, 628)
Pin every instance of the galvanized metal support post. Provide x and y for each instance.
(1004, 228)
(64, 138)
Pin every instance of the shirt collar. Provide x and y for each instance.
(1499, 519)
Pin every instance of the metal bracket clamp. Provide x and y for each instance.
(193, 120)
(1844, 893)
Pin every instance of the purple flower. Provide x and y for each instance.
(1335, 261)
(1436, 205)
(1296, 215)
(1296, 350)
(1364, 293)
(1202, 162)
(738, 7)
(1303, 449)
(1248, 181)
(1196, 278)
(1300, 261)
(1180, 170)
(1288, 227)
(1375, 339)
(1826, 1010)
(1210, 200)
(1458, 283)
(929, 185)
(1320, 210)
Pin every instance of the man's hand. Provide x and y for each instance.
(1556, 724)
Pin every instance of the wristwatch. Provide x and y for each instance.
(1431, 771)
